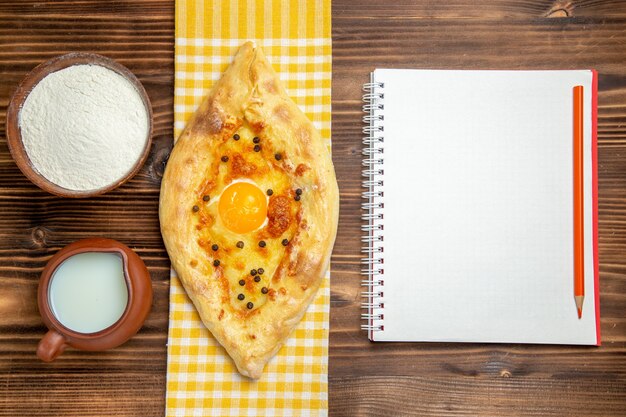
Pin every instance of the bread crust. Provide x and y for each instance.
(250, 92)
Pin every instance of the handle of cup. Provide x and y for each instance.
(51, 346)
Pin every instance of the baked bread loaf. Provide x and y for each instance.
(248, 209)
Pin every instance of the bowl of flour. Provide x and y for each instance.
(79, 125)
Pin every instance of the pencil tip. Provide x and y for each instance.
(579, 304)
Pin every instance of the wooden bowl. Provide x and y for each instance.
(14, 137)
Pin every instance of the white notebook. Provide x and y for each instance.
(469, 207)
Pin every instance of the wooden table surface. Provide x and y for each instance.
(364, 379)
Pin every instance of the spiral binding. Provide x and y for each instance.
(373, 208)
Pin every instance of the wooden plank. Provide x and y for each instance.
(129, 380)
(468, 9)
(363, 375)
(465, 395)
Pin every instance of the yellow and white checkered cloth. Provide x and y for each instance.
(295, 35)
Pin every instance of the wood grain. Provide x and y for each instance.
(365, 378)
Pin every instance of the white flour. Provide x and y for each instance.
(84, 127)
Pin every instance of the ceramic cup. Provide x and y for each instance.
(139, 287)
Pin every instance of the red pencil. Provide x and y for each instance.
(579, 247)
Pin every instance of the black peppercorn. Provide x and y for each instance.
(257, 148)
(297, 198)
(242, 282)
(195, 209)
(299, 191)
(215, 247)
(206, 198)
(240, 244)
(262, 243)
(264, 290)
(256, 139)
(224, 158)
(257, 279)
(241, 297)
(260, 271)
(253, 272)
(250, 306)
(278, 156)
(216, 262)
(270, 191)
(285, 242)
(236, 136)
